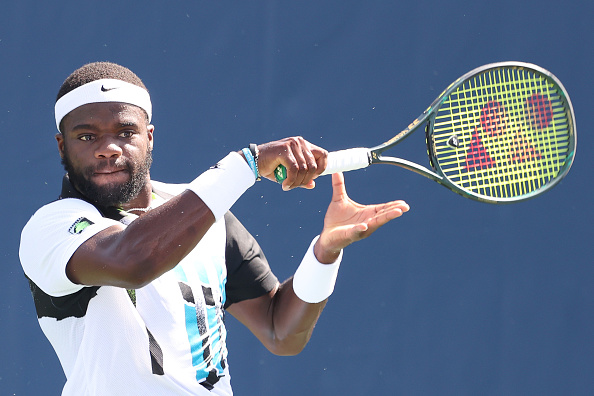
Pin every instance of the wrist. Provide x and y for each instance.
(314, 281)
(326, 256)
(251, 157)
(324, 251)
(223, 184)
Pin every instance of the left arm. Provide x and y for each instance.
(280, 319)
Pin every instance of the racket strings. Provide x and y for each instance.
(512, 131)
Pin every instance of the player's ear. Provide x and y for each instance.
(150, 129)
(60, 140)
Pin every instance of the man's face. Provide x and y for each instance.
(106, 150)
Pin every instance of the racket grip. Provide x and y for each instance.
(338, 161)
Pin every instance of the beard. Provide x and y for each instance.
(113, 194)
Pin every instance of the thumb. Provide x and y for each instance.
(338, 187)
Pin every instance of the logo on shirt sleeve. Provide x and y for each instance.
(79, 225)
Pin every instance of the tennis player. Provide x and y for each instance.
(131, 277)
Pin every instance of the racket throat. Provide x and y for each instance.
(430, 144)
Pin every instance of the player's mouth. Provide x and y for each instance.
(110, 175)
(109, 170)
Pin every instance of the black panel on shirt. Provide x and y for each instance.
(73, 305)
(248, 273)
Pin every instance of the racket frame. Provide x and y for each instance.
(427, 118)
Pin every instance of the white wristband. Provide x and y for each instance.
(313, 281)
(223, 184)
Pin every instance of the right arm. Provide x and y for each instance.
(133, 256)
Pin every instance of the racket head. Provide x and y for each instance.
(504, 132)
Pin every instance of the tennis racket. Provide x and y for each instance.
(501, 133)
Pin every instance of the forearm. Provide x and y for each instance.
(284, 319)
(293, 320)
(280, 320)
(163, 237)
(150, 246)
(300, 300)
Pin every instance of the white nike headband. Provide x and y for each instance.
(100, 91)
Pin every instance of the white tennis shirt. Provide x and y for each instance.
(171, 343)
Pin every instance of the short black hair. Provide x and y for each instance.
(96, 71)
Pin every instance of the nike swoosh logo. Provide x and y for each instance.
(103, 89)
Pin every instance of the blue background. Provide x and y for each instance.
(455, 298)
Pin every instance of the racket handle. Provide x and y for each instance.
(338, 161)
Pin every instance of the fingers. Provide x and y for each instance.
(338, 187)
(382, 214)
(300, 164)
(304, 161)
(347, 221)
(388, 211)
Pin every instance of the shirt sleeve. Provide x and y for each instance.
(248, 272)
(51, 237)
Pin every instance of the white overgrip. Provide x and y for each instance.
(347, 160)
